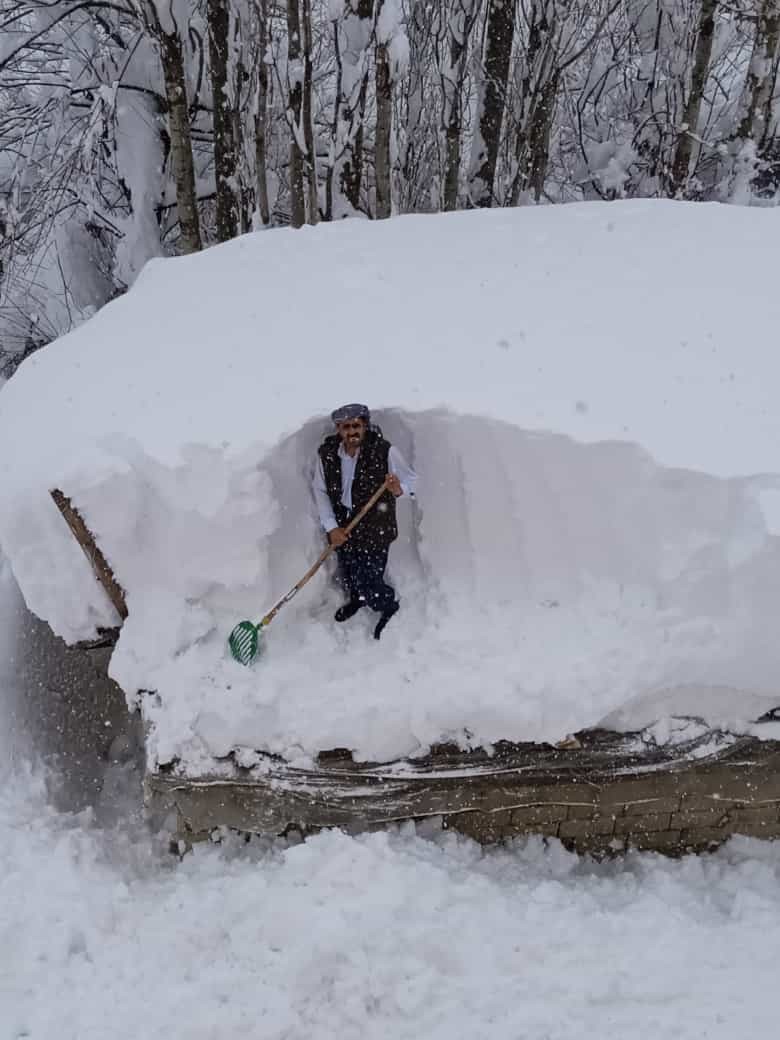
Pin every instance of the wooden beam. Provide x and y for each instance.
(97, 560)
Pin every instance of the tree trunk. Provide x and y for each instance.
(652, 124)
(225, 165)
(261, 116)
(308, 125)
(355, 36)
(334, 127)
(539, 136)
(352, 171)
(536, 106)
(757, 105)
(172, 56)
(294, 107)
(384, 125)
(498, 51)
(242, 90)
(460, 21)
(419, 30)
(451, 161)
(701, 64)
(242, 43)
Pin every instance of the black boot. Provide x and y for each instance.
(345, 613)
(386, 615)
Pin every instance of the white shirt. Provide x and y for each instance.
(395, 463)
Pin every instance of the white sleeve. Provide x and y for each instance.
(322, 498)
(401, 469)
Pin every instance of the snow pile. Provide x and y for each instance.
(388, 935)
(588, 394)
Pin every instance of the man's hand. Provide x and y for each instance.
(337, 537)
(394, 485)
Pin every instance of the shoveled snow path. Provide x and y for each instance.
(383, 936)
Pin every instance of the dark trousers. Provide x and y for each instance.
(362, 572)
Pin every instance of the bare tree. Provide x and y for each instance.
(353, 33)
(757, 123)
(168, 36)
(499, 34)
(460, 18)
(690, 122)
(384, 126)
(261, 112)
(390, 61)
(294, 110)
(306, 115)
(535, 106)
(418, 122)
(225, 151)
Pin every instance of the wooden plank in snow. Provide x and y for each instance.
(97, 560)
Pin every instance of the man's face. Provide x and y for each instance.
(352, 432)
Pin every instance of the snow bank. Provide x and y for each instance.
(588, 395)
(377, 937)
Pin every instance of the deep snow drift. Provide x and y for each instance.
(588, 395)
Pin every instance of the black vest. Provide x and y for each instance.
(378, 527)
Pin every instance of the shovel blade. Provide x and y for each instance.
(244, 642)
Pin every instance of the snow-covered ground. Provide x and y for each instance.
(382, 937)
(409, 934)
(105, 936)
(588, 394)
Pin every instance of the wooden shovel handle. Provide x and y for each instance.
(369, 505)
(323, 556)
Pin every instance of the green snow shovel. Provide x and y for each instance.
(244, 640)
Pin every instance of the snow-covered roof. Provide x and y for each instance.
(550, 371)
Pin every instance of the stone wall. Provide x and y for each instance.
(672, 812)
(601, 796)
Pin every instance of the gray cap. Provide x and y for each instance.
(351, 411)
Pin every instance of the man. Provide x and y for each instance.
(352, 463)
